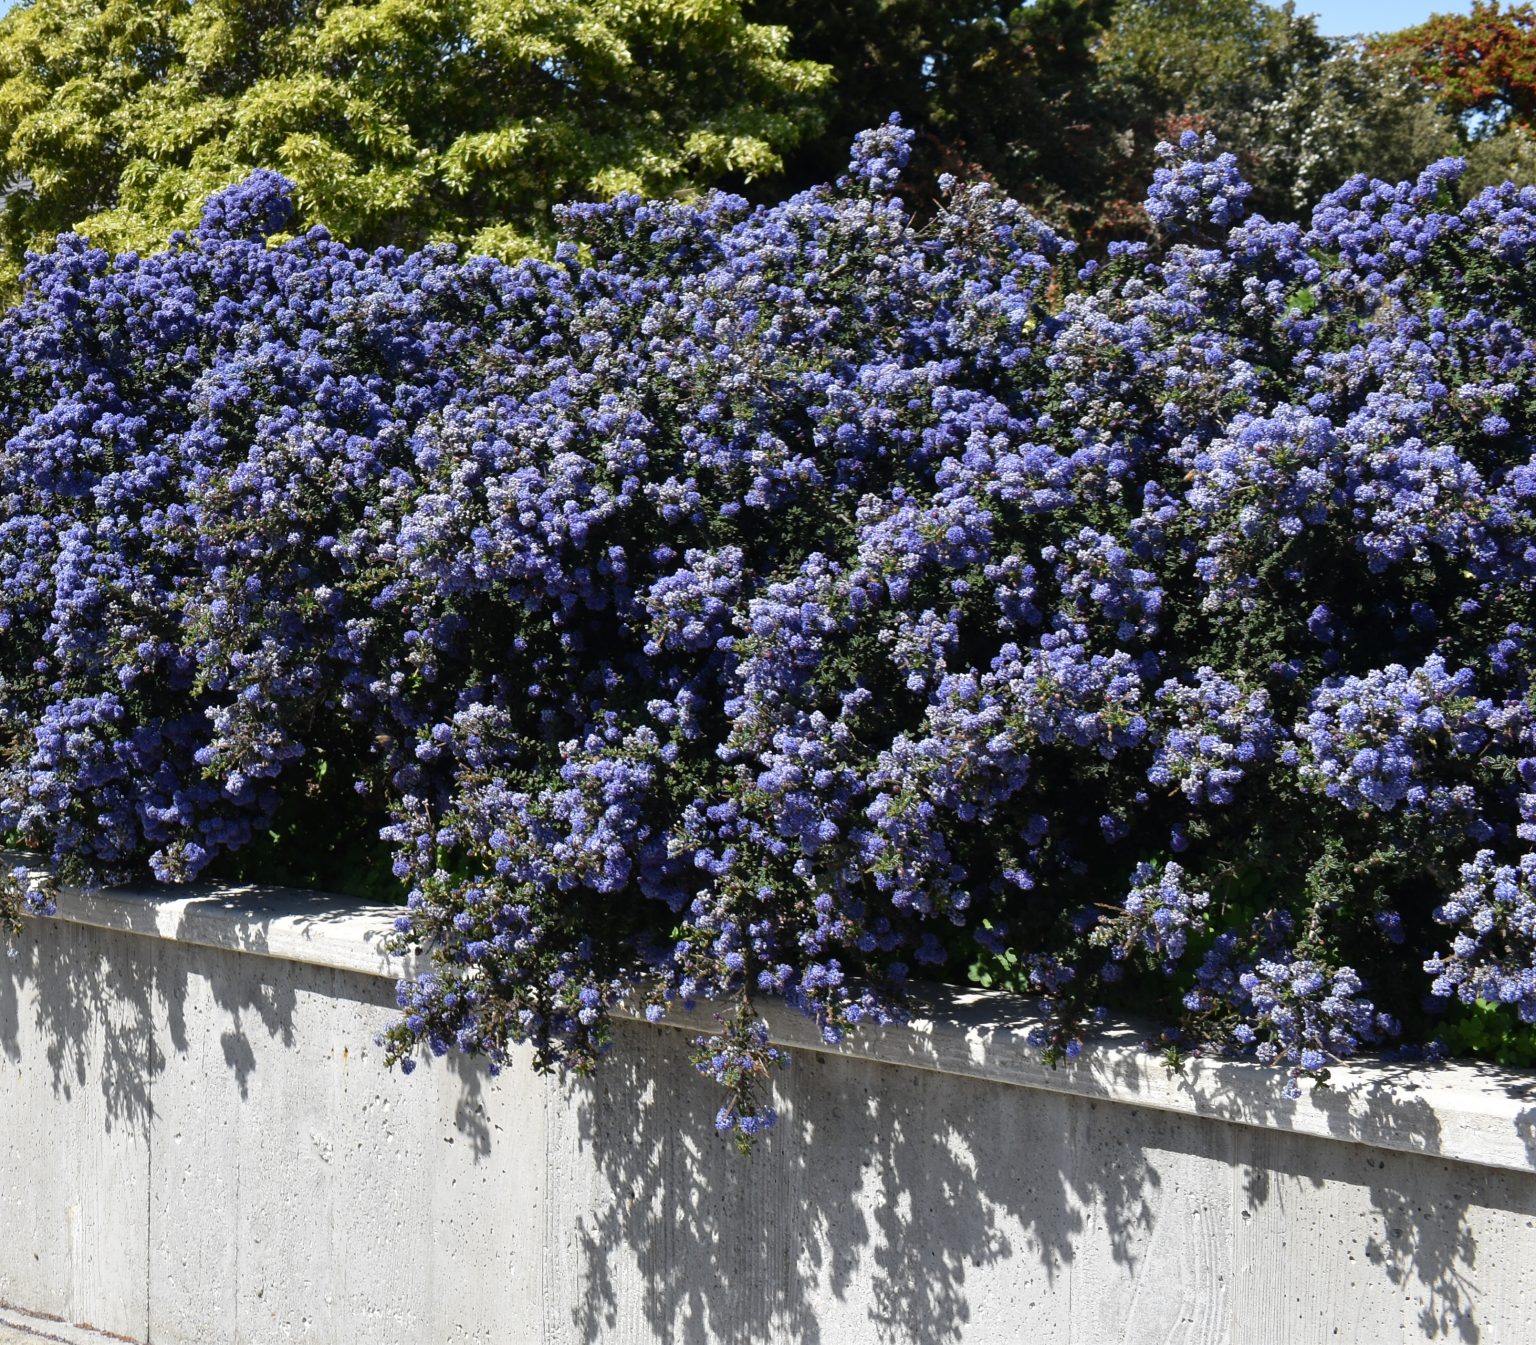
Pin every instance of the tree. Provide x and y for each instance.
(398, 120)
(1062, 102)
(989, 86)
(1306, 112)
(1481, 64)
(1203, 53)
(1210, 65)
(1354, 112)
(404, 121)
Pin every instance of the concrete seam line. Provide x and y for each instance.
(1464, 1112)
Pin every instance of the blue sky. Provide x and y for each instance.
(1338, 18)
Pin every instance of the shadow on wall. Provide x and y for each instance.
(916, 1206)
(873, 1189)
(90, 1006)
(939, 1209)
(95, 1016)
(91, 1003)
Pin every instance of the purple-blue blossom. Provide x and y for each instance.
(796, 601)
(1492, 919)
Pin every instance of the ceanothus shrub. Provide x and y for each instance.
(798, 601)
(192, 444)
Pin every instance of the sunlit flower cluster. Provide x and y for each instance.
(797, 601)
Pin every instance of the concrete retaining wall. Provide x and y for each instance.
(198, 1145)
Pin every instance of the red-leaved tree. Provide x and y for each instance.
(1481, 63)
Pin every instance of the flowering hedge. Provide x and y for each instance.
(793, 602)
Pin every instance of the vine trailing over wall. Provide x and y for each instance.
(790, 602)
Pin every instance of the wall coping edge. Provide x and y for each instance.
(1465, 1112)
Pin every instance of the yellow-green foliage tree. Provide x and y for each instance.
(398, 120)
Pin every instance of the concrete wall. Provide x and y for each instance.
(198, 1145)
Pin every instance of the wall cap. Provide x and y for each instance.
(1471, 1113)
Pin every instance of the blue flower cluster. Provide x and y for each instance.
(1196, 188)
(192, 445)
(1379, 740)
(795, 600)
(1156, 915)
(1302, 1016)
(739, 1059)
(1493, 914)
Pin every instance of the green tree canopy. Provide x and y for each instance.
(1062, 102)
(409, 120)
(398, 120)
(993, 87)
(1303, 112)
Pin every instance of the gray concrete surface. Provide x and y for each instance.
(198, 1145)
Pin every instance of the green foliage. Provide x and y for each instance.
(1062, 102)
(464, 120)
(399, 120)
(1352, 112)
(1492, 1032)
(1309, 111)
(998, 971)
(1204, 53)
(324, 838)
(1509, 154)
(1004, 89)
